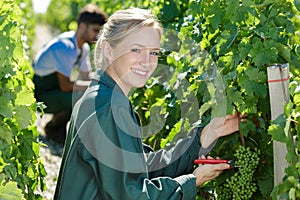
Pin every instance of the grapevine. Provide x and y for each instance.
(242, 37)
(241, 186)
(22, 171)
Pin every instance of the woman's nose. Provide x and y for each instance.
(146, 58)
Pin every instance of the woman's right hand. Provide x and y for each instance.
(206, 172)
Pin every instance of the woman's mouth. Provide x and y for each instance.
(139, 72)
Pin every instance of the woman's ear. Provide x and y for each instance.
(107, 52)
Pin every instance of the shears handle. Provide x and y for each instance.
(210, 161)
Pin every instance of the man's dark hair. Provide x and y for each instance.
(91, 14)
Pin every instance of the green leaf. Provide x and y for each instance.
(10, 191)
(255, 74)
(25, 97)
(176, 129)
(26, 150)
(18, 52)
(244, 49)
(270, 51)
(248, 3)
(36, 149)
(219, 109)
(30, 172)
(250, 105)
(297, 4)
(284, 51)
(3, 18)
(296, 99)
(157, 120)
(6, 133)
(170, 10)
(263, 53)
(277, 129)
(6, 107)
(42, 169)
(291, 170)
(216, 14)
(288, 183)
(246, 127)
(265, 185)
(205, 107)
(2, 177)
(2, 166)
(234, 11)
(233, 95)
(23, 116)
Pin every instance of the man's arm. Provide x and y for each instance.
(67, 86)
(85, 76)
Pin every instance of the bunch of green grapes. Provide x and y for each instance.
(241, 185)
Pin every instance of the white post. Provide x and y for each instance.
(278, 80)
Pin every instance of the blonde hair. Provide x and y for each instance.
(121, 24)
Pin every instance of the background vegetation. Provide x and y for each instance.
(216, 53)
(240, 38)
(21, 169)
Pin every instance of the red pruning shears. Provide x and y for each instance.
(215, 161)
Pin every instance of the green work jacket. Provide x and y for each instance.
(105, 158)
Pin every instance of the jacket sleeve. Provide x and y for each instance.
(177, 160)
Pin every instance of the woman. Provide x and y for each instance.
(104, 157)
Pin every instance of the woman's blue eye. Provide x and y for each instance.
(136, 50)
(154, 53)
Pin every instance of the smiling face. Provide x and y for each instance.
(132, 61)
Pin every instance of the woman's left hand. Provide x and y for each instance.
(218, 127)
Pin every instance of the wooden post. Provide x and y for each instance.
(278, 80)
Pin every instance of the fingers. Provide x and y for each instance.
(203, 157)
(219, 167)
(236, 115)
(231, 116)
(208, 172)
(222, 166)
(243, 117)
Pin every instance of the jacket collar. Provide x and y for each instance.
(101, 76)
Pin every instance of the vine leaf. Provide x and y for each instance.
(23, 116)
(25, 97)
(256, 75)
(10, 191)
(284, 51)
(6, 107)
(6, 133)
(291, 170)
(265, 185)
(296, 98)
(297, 4)
(277, 129)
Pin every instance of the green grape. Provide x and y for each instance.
(240, 186)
